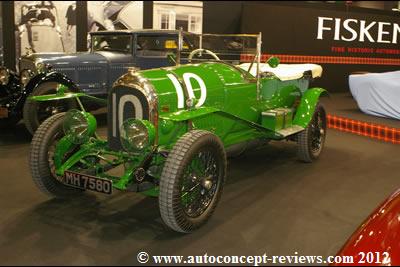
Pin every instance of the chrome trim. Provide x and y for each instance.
(7, 77)
(29, 77)
(180, 45)
(259, 41)
(136, 81)
(28, 62)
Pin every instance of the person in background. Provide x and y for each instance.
(71, 18)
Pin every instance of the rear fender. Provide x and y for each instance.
(308, 103)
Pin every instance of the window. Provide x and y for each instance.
(164, 43)
(115, 43)
(182, 22)
(172, 15)
(195, 23)
(164, 21)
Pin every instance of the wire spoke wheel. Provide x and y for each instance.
(192, 181)
(199, 184)
(49, 108)
(36, 112)
(51, 154)
(42, 158)
(310, 142)
(317, 132)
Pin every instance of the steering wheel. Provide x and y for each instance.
(201, 50)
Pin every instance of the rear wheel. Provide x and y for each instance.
(192, 180)
(35, 112)
(41, 158)
(310, 142)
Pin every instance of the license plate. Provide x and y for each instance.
(3, 113)
(87, 182)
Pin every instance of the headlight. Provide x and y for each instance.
(136, 135)
(4, 76)
(79, 125)
(25, 76)
(41, 67)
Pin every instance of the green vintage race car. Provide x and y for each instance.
(170, 129)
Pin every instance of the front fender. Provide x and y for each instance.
(50, 77)
(308, 103)
(40, 78)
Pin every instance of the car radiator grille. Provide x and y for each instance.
(124, 103)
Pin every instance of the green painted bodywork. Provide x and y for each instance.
(42, 98)
(233, 110)
(62, 94)
(307, 106)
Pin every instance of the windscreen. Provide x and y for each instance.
(227, 47)
(158, 45)
(115, 43)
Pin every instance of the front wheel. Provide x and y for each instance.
(41, 160)
(310, 142)
(192, 180)
(34, 112)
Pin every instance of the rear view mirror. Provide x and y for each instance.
(273, 62)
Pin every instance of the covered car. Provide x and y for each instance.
(377, 93)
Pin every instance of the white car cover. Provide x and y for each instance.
(285, 72)
(377, 94)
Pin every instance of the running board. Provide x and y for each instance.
(290, 130)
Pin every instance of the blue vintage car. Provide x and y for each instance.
(110, 55)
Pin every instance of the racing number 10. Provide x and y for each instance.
(186, 79)
(118, 108)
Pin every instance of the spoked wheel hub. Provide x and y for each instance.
(192, 181)
(199, 184)
(318, 129)
(47, 109)
(51, 154)
(42, 158)
(311, 141)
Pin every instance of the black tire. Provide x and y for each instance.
(34, 113)
(43, 177)
(310, 142)
(193, 145)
